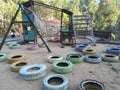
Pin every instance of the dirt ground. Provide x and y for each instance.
(10, 80)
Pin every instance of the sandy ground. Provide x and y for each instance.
(10, 80)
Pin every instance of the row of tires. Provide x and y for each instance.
(82, 48)
(15, 45)
(92, 58)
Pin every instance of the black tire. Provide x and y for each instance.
(89, 84)
(55, 82)
(75, 58)
(62, 66)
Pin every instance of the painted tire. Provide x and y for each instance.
(118, 46)
(8, 43)
(55, 82)
(62, 66)
(3, 57)
(93, 58)
(110, 57)
(113, 50)
(16, 58)
(75, 58)
(15, 67)
(14, 46)
(53, 58)
(40, 71)
(81, 47)
(88, 51)
(21, 42)
(89, 84)
(33, 47)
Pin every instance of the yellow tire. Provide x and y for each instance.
(88, 51)
(16, 58)
(15, 67)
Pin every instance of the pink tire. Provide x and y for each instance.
(33, 47)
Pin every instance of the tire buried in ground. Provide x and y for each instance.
(62, 66)
(110, 57)
(113, 51)
(89, 84)
(55, 82)
(15, 67)
(53, 58)
(32, 72)
(14, 46)
(81, 47)
(88, 51)
(92, 58)
(16, 58)
(3, 57)
(75, 58)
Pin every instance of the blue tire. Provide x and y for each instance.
(8, 43)
(25, 74)
(93, 58)
(89, 84)
(60, 82)
(113, 51)
(118, 46)
(81, 47)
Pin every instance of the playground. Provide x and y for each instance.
(11, 81)
(50, 54)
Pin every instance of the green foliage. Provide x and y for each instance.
(106, 14)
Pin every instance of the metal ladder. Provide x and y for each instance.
(82, 27)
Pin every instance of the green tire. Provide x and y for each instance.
(14, 46)
(62, 66)
(75, 58)
(3, 57)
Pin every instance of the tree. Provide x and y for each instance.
(107, 13)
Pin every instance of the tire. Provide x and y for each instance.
(81, 47)
(118, 46)
(110, 57)
(14, 46)
(88, 51)
(25, 74)
(3, 57)
(119, 56)
(62, 66)
(89, 84)
(33, 47)
(16, 58)
(113, 51)
(55, 82)
(93, 58)
(8, 43)
(53, 58)
(75, 58)
(15, 67)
